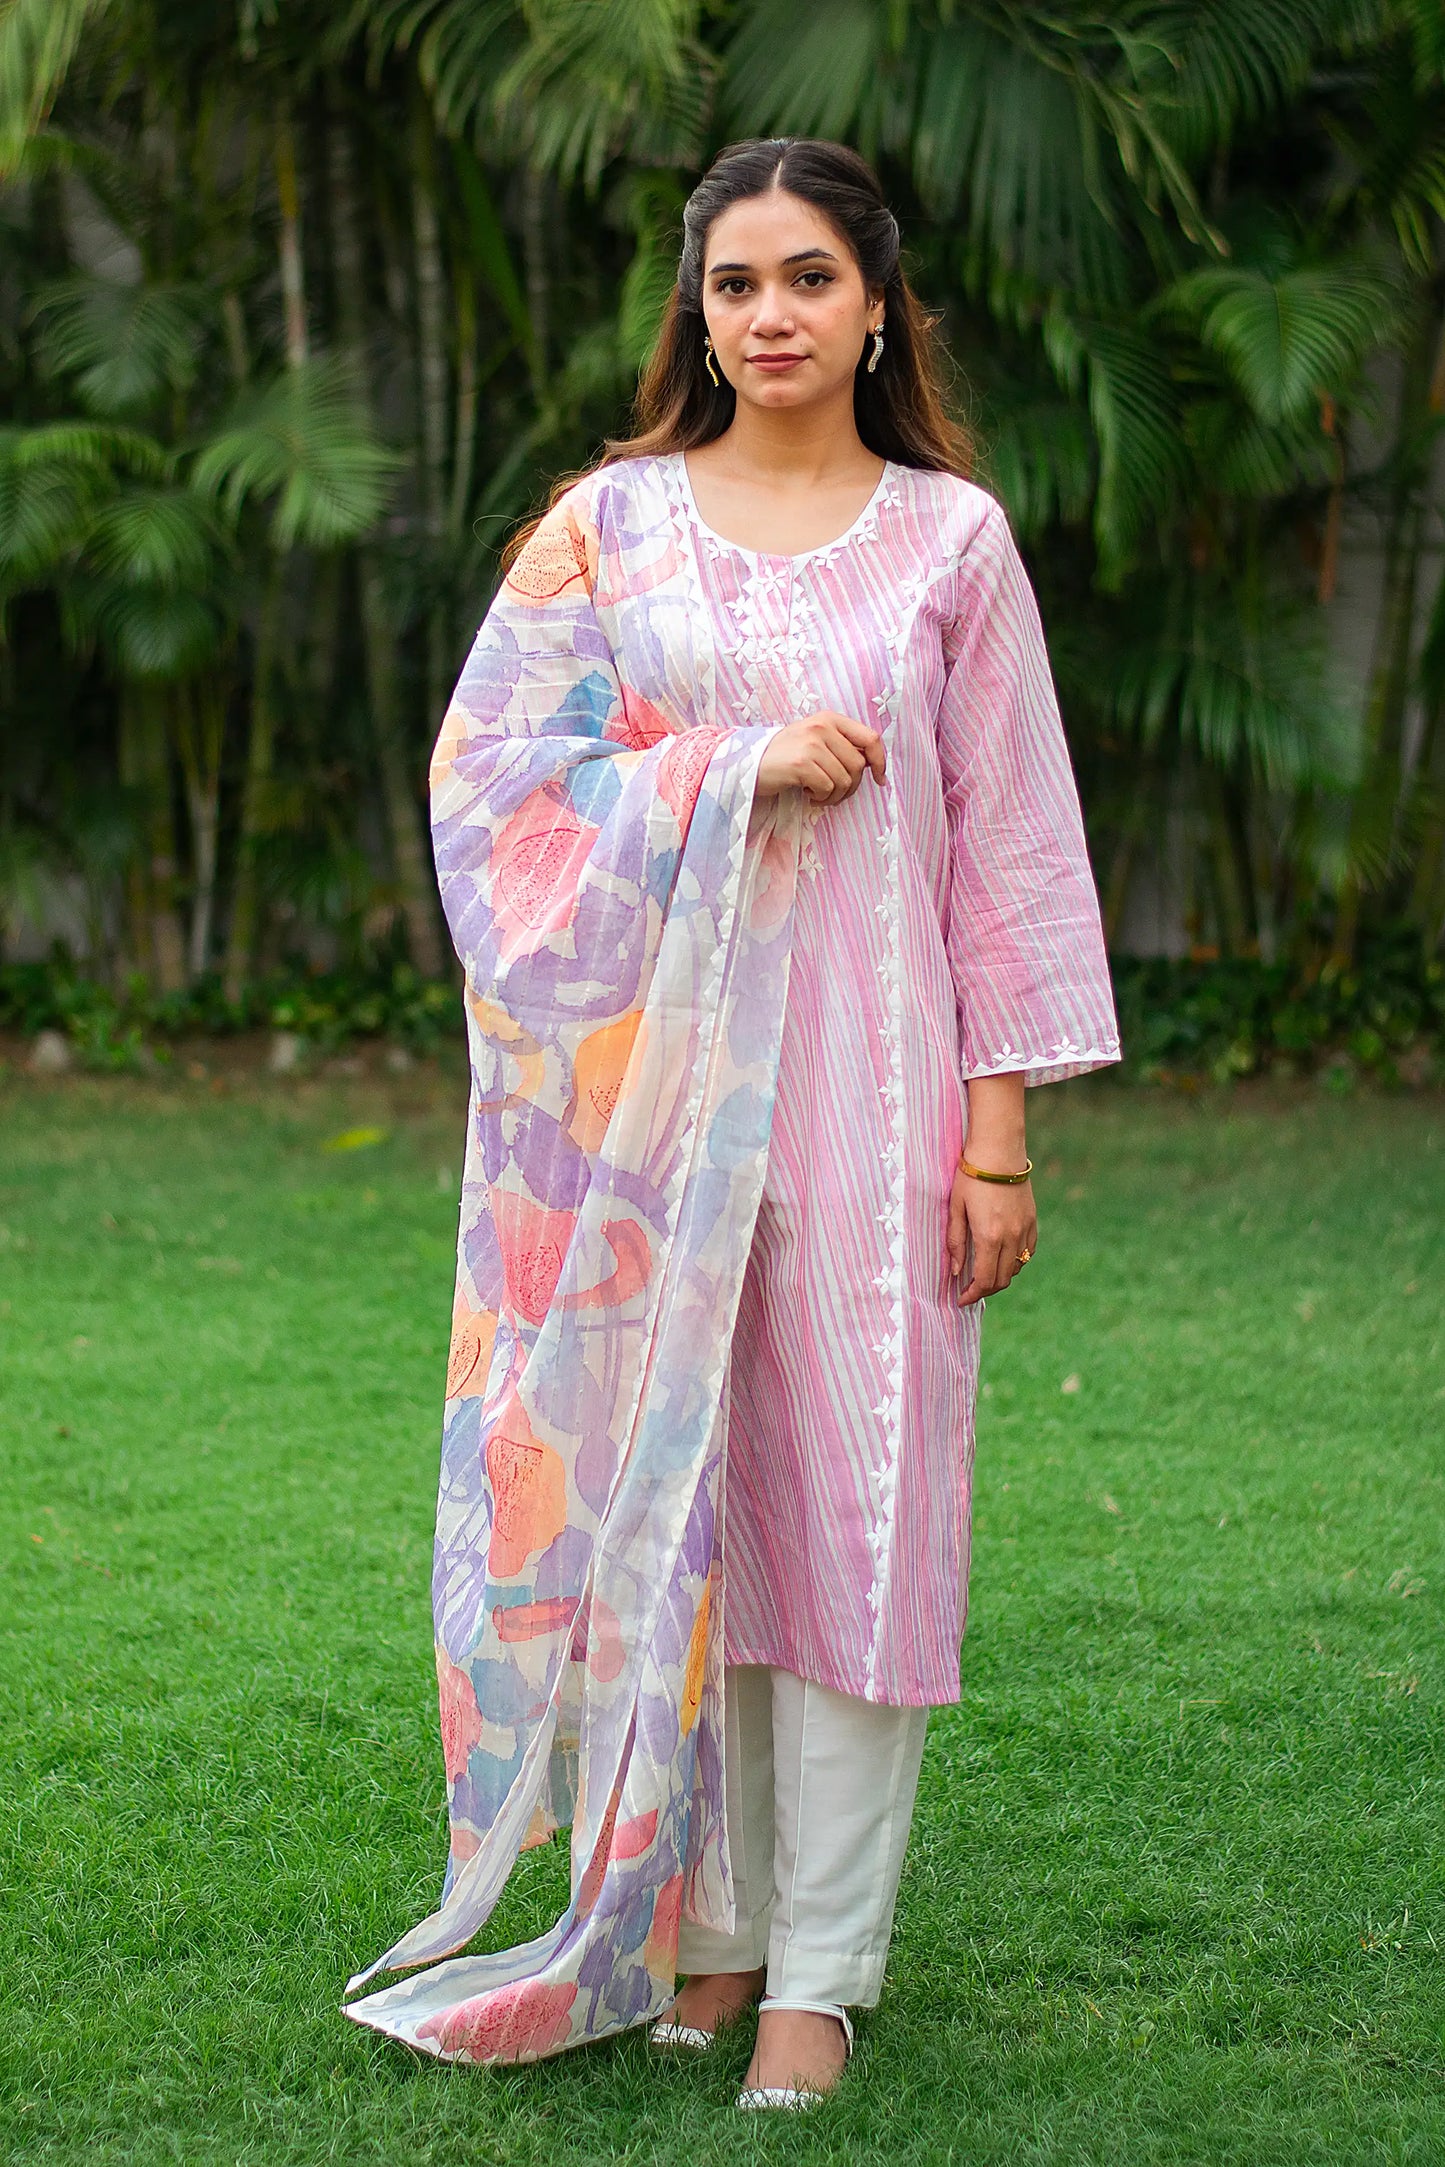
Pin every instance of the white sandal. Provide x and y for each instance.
(788, 2095)
(691, 2036)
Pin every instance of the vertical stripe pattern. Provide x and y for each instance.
(946, 926)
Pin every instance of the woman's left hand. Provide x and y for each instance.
(998, 1222)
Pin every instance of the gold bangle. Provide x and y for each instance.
(977, 1173)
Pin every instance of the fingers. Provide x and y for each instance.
(868, 742)
(852, 738)
(827, 777)
(957, 1236)
(995, 1264)
(990, 1273)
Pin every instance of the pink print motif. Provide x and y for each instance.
(639, 725)
(681, 770)
(597, 1640)
(510, 2024)
(461, 1718)
(635, 1836)
(533, 1242)
(659, 1951)
(537, 862)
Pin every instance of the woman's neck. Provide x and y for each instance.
(796, 448)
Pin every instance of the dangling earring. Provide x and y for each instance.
(707, 364)
(877, 354)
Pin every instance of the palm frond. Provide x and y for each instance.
(302, 444)
(123, 346)
(90, 446)
(805, 71)
(597, 77)
(1287, 337)
(148, 630)
(1246, 687)
(655, 213)
(43, 508)
(1223, 68)
(1039, 457)
(162, 539)
(1135, 410)
(1241, 456)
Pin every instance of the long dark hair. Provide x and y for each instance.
(899, 409)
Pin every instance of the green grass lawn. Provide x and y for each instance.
(1175, 1891)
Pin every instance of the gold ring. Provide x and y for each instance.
(1024, 1255)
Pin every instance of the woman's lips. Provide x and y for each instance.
(776, 364)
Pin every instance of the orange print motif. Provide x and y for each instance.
(552, 559)
(630, 1246)
(659, 1952)
(473, 1331)
(598, 1067)
(529, 1493)
(529, 1621)
(696, 1664)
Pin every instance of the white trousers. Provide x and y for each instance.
(819, 1799)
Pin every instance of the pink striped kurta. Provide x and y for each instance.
(946, 926)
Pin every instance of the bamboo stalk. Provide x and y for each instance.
(260, 751)
(410, 853)
(293, 288)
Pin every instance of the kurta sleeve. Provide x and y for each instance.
(1024, 938)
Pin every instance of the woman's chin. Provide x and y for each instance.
(777, 393)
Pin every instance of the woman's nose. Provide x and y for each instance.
(771, 315)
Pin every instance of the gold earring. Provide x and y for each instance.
(877, 354)
(707, 358)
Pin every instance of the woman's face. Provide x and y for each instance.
(784, 301)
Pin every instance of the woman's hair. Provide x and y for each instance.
(899, 408)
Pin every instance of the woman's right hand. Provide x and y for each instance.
(824, 754)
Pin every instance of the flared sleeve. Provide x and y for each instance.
(1024, 938)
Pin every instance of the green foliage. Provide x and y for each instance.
(302, 444)
(1232, 1017)
(1214, 1019)
(327, 1009)
(311, 304)
(124, 346)
(1290, 338)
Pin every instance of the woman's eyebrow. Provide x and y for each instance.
(804, 255)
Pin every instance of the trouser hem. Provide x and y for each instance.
(853, 1982)
(703, 1949)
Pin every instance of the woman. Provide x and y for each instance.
(759, 842)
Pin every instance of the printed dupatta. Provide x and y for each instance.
(622, 906)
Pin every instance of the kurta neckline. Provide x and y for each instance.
(779, 556)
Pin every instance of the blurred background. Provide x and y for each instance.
(303, 306)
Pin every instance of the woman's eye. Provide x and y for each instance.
(816, 278)
(732, 285)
